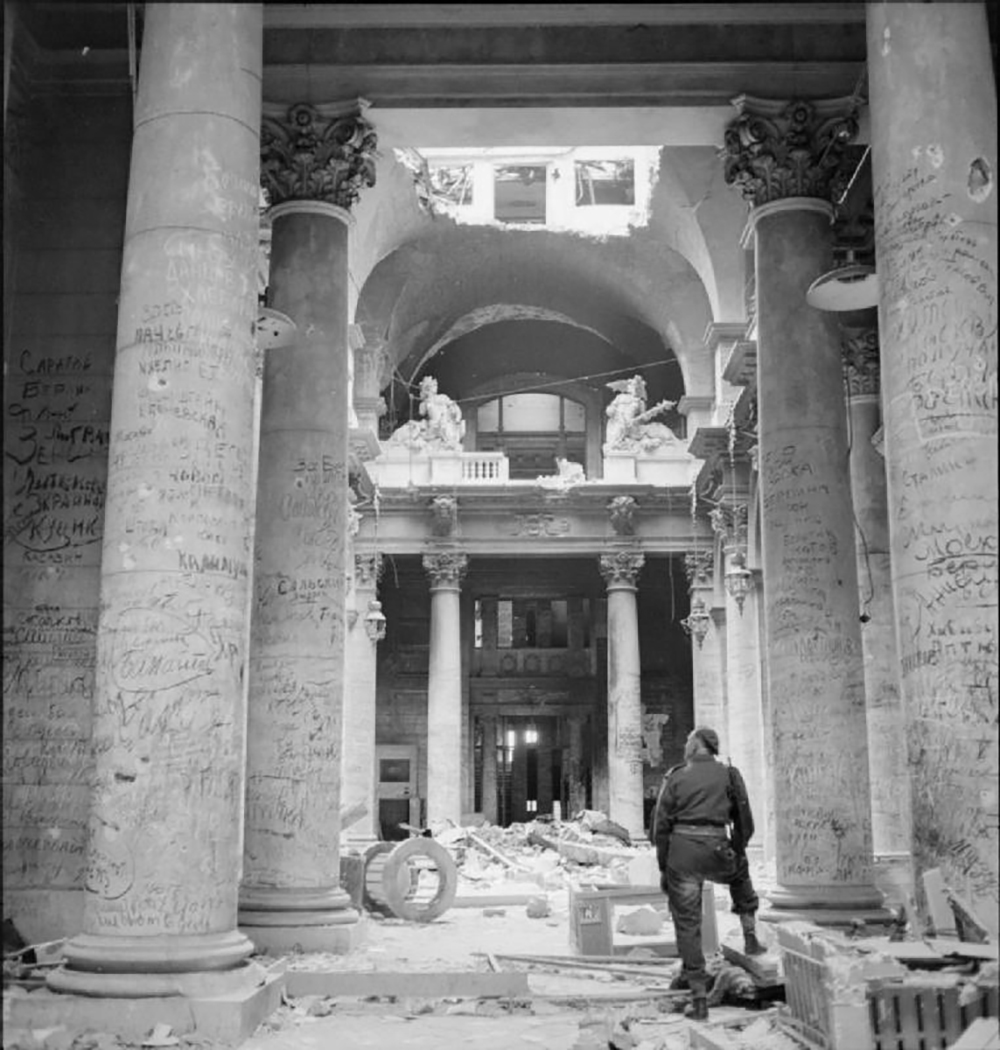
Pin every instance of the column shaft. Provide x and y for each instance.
(489, 789)
(291, 873)
(708, 672)
(444, 690)
(359, 776)
(745, 723)
(168, 726)
(890, 780)
(934, 162)
(823, 821)
(624, 697)
(575, 773)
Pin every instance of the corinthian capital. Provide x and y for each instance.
(861, 361)
(776, 149)
(621, 567)
(317, 154)
(446, 567)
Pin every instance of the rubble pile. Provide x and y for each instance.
(548, 852)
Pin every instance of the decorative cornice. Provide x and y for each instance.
(622, 514)
(777, 149)
(446, 568)
(367, 569)
(620, 568)
(861, 361)
(309, 153)
(699, 566)
(741, 368)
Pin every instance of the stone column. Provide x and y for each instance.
(313, 166)
(784, 157)
(577, 798)
(620, 569)
(168, 718)
(444, 687)
(370, 362)
(708, 649)
(489, 790)
(888, 768)
(359, 778)
(934, 162)
(744, 731)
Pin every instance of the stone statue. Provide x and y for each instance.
(443, 426)
(622, 513)
(628, 428)
(568, 473)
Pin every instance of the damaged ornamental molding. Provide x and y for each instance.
(777, 149)
(317, 153)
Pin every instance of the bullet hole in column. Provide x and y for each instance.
(980, 179)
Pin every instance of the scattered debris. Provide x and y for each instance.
(161, 1035)
(538, 908)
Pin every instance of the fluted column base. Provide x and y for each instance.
(278, 906)
(825, 905)
(281, 920)
(166, 965)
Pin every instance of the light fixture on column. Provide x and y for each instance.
(375, 621)
(697, 621)
(738, 580)
(852, 286)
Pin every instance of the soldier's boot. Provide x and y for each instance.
(698, 1009)
(751, 946)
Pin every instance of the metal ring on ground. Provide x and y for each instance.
(393, 884)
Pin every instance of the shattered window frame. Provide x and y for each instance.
(452, 183)
(604, 182)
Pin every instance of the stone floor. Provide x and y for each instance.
(564, 1008)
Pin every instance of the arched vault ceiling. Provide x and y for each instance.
(485, 315)
(634, 292)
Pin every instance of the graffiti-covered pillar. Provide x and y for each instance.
(784, 156)
(168, 719)
(888, 768)
(934, 166)
(315, 162)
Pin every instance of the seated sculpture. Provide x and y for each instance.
(629, 429)
(568, 473)
(443, 426)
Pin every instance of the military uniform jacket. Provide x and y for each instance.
(705, 792)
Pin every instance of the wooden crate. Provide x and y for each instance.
(913, 1017)
(894, 1011)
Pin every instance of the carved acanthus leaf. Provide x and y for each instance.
(308, 156)
(775, 150)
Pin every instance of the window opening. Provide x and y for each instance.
(519, 193)
(505, 624)
(605, 182)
